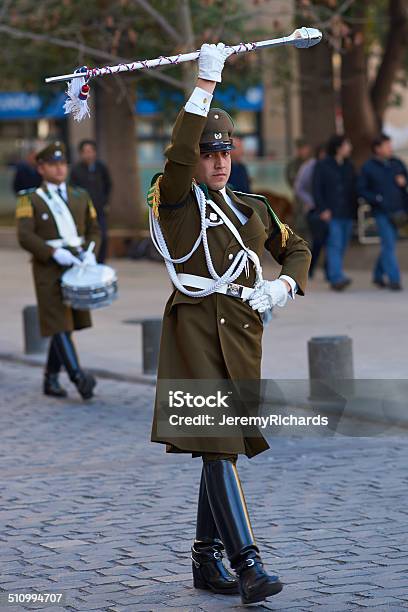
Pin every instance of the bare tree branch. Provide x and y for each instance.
(85, 49)
(158, 17)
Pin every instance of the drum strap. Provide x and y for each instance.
(62, 217)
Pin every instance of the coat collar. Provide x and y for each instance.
(252, 229)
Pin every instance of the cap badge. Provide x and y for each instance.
(217, 135)
(216, 116)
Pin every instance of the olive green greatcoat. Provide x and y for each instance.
(194, 343)
(36, 225)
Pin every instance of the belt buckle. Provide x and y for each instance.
(234, 290)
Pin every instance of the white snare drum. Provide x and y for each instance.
(89, 287)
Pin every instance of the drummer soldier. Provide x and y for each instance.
(56, 223)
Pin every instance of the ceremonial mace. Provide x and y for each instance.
(78, 88)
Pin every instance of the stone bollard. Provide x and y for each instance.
(330, 366)
(151, 332)
(33, 341)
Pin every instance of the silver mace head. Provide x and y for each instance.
(305, 37)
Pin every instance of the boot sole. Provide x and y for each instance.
(59, 395)
(264, 591)
(206, 587)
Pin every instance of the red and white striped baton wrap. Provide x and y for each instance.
(301, 38)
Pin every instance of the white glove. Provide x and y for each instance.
(63, 257)
(269, 294)
(211, 61)
(88, 258)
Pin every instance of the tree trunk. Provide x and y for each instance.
(117, 144)
(317, 94)
(393, 56)
(187, 32)
(360, 121)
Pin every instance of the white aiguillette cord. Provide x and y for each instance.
(237, 266)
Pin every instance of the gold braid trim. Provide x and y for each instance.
(285, 229)
(153, 197)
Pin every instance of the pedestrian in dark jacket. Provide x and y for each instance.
(92, 174)
(383, 184)
(335, 199)
(27, 176)
(239, 179)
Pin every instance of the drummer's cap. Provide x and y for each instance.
(53, 152)
(217, 132)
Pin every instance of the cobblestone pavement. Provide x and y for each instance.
(91, 509)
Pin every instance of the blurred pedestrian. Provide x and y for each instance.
(334, 193)
(27, 176)
(239, 179)
(302, 153)
(93, 175)
(383, 184)
(303, 188)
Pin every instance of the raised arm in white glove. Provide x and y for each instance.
(211, 61)
(268, 295)
(63, 257)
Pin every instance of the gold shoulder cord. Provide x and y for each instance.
(24, 208)
(284, 229)
(92, 211)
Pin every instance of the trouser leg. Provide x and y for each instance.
(388, 235)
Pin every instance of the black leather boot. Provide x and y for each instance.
(231, 517)
(209, 572)
(52, 386)
(83, 380)
(254, 583)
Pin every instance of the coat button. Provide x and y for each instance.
(230, 256)
(222, 321)
(246, 325)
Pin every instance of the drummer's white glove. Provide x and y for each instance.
(63, 257)
(88, 258)
(269, 294)
(211, 61)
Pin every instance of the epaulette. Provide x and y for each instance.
(283, 228)
(24, 208)
(23, 192)
(77, 191)
(153, 194)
